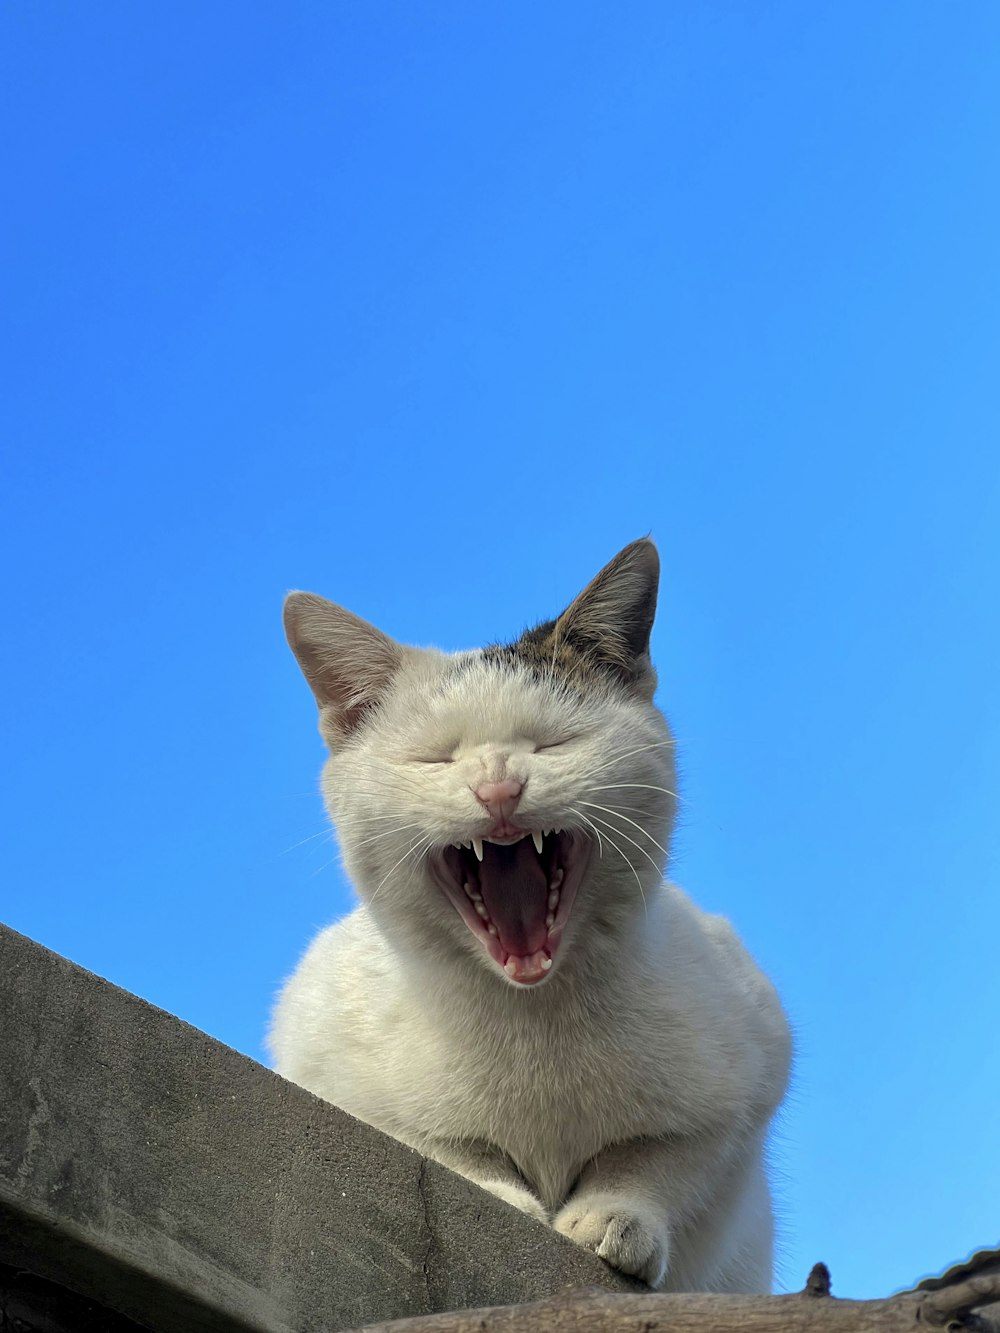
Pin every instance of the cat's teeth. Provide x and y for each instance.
(536, 838)
(550, 920)
(553, 900)
(477, 847)
(557, 878)
(539, 961)
(480, 907)
(492, 928)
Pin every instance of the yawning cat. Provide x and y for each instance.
(520, 995)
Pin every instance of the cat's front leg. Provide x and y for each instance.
(632, 1196)
(491, 1169)
(622, 1227)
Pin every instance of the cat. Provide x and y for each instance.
(520, 995)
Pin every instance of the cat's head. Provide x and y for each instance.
(495, 802)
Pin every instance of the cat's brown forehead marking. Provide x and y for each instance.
(548, 654)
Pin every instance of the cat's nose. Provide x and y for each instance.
(499, 798)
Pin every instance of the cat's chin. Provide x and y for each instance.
(516, 896)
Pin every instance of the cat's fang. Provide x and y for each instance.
(477, 847)
(537, 839)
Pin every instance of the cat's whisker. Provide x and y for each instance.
(425, 842)
(407, 780)
(371, 793)
(646, 786)
(388, 772)
(618, 758)
(390, 797)
(622, 855)
(635, 809)
(325, 866)
(302, 843)
(385, 833)
(381, 834)
(600, 845)
(631, 841)
(389, 785)
(375, 819)
(608, 811)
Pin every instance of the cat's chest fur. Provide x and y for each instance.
(548, 1077)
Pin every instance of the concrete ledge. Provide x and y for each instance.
(170, 1180)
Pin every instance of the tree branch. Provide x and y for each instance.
(940, 1305)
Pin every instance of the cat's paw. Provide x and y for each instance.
(518, 1197)
(624, 1231)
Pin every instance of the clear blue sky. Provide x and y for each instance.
(430, 308)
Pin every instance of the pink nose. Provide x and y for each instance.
(500, 798)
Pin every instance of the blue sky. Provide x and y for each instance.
(431, 308)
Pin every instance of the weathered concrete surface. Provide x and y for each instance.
(149, 1168)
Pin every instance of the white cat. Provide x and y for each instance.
(520, 995)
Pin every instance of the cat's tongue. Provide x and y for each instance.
(515, 892)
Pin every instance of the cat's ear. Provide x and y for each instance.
(347, 662)
(610, 622)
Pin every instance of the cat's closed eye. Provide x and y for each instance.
(554, 745)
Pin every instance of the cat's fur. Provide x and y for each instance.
(622, 1091)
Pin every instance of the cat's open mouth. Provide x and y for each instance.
(516, 897)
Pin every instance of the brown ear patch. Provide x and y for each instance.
(604, 633)
(548, 653)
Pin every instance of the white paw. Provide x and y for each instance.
(517, 1196)
(625, 1232)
